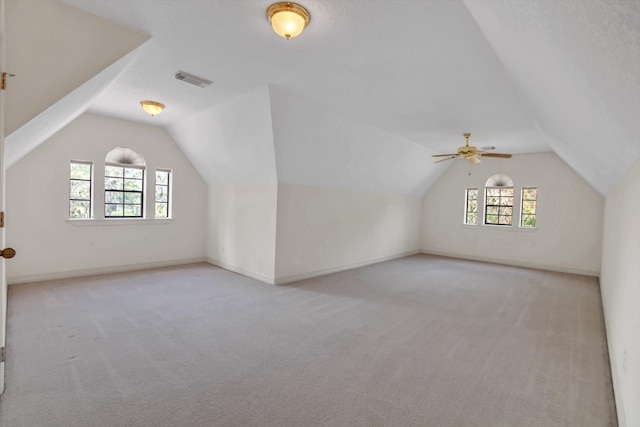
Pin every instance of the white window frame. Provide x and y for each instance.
(535, 209)
(466, 205)
(98, 193)
(169, 186)
(90, 180)
(125, 192)
(486, 206)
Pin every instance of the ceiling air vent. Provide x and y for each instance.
(190, 78)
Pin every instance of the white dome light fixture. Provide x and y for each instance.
(152, 108)
(288, 19)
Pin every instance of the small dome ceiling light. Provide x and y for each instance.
(288, 19)
(152, 108)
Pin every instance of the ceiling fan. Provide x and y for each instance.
(471, 153)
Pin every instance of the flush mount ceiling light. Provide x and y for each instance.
(288, 19)
(152, 108)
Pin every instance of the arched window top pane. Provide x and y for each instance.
(125, 156)
(499, 180)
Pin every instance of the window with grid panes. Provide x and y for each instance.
(498, 206)
(80, 190)
(123, 191)
(529, 201)
(162, 195)
(471, 206)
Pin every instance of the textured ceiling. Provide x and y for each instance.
(52, 49)
(422, 70)
(37, 130)
(577, 64)
(525, 76)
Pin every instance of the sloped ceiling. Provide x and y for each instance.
(322, 148)
(37, 130)
(62, 59)
(577, 65)
(419, 72)
(231, 143)
(52, 49)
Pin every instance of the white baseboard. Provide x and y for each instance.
(516, 263)
(310, 274)
(252, 274)
(29, 278)
(615, 377)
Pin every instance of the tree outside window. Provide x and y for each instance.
(499, 206)
(123, 191)
(529, 207)
(80, 190)
(471, 211)
(163, 178)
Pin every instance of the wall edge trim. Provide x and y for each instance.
(30, 278)
(323, 272)
(239, 270)
(613, 367)
(533, 265)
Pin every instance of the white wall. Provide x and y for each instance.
(349, 193)
(49, 246)
(231, 145)
(620, 287)
(325, 230)
(241, 229)
(277, 232)
(568, 235)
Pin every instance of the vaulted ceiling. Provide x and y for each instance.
(360, 100)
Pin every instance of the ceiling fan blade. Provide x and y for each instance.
(490, 147)
(448, 158)
(502, 156)
(443, 155)
(473, 160)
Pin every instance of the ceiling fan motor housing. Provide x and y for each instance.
(467, 150)
(471, 153)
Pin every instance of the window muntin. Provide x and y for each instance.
(123, 191)
(80, 190)
(162, 194)
(529, 206)
(498, 206)
(471, 206)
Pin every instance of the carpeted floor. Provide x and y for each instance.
(419, 341)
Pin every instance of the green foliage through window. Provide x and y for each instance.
(471, 211)
(80, 190)
(162, 193)
(529, 206)
(124, 187)
(499, 206)
(123, 191)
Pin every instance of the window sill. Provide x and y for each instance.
(500, 227)
(118, 221)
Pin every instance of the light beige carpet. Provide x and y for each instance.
(420, 341)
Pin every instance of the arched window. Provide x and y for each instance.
(499, 203)
(124, 173)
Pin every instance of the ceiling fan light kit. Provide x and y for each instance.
(471, 153)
